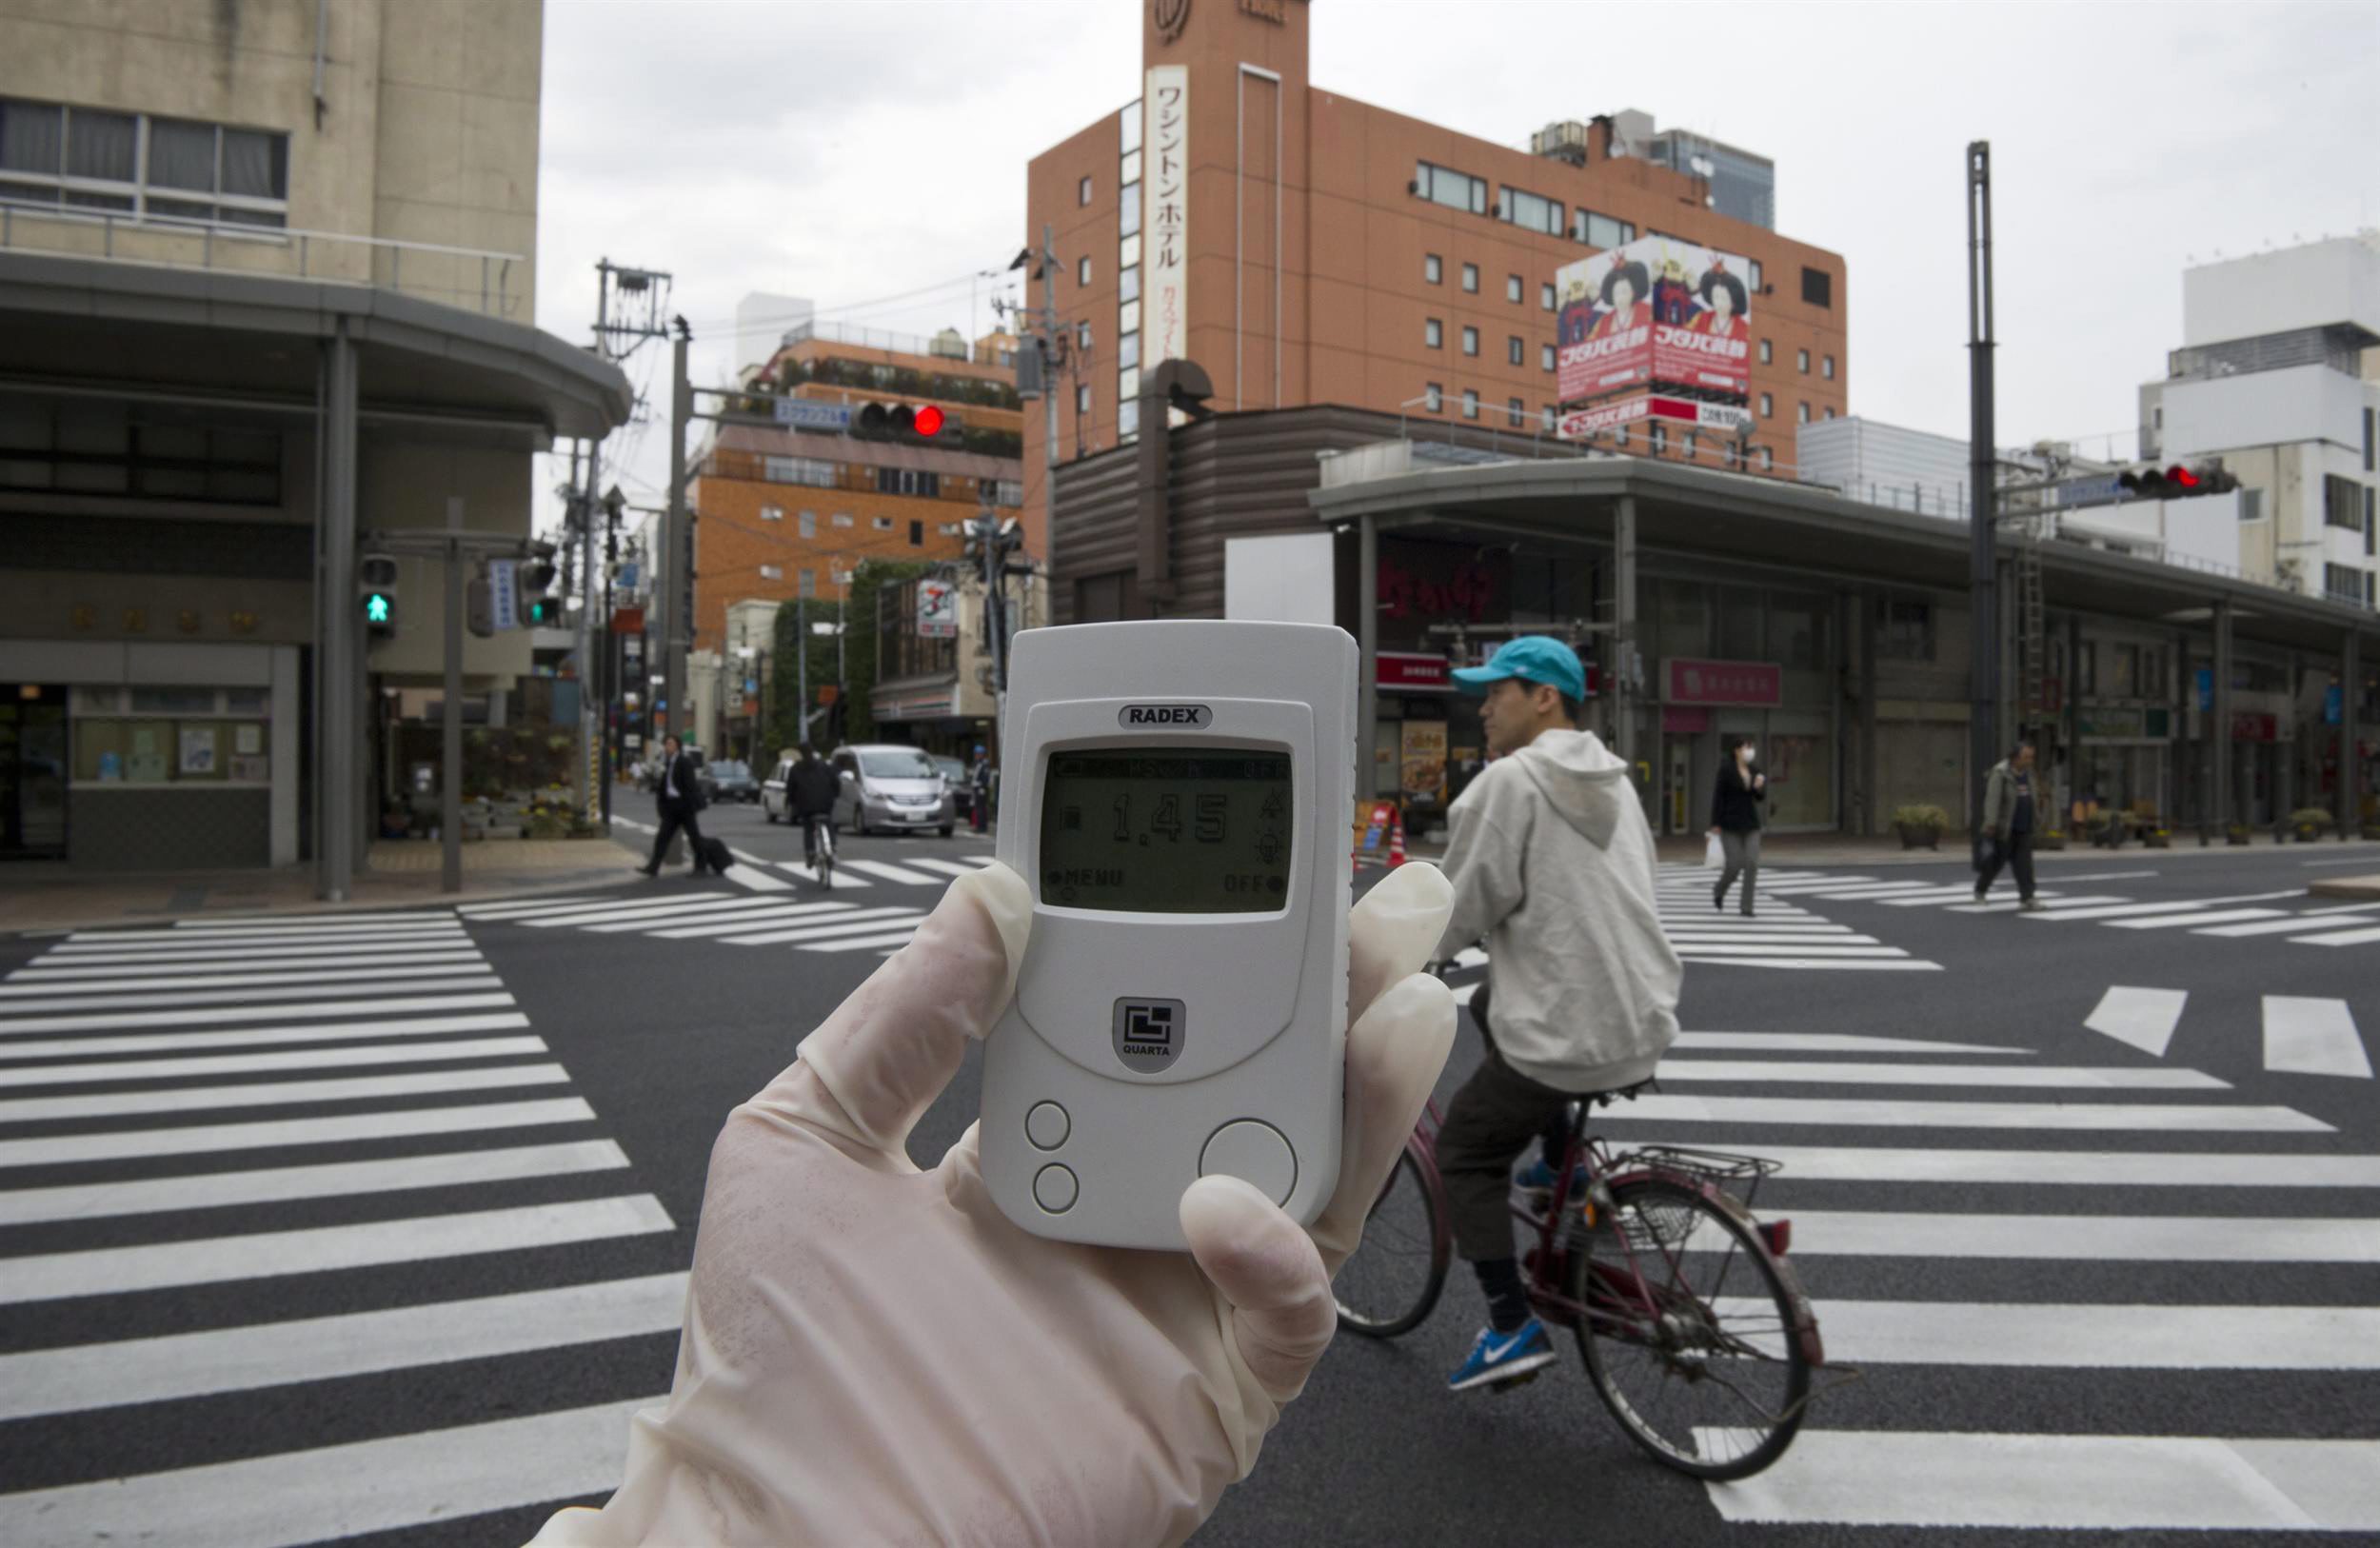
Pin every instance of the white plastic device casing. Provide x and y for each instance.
(1264, 996)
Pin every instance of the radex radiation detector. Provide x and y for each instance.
(1177, 795)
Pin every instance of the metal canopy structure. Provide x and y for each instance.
(340, 356)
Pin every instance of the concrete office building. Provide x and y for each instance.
(1740, 184)
(2278, 375)
(266, 287)
(1307, 248)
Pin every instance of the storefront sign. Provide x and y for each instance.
(801, 414)
(629, 621)
(1165, 213)
(1691, 414)
(1656, 309)
(1424, 753)
(1752, 682)
(918, 703)
(1408, 671)
(2110, 723)
(1585, 422)
(938, 610)
(1450, 591)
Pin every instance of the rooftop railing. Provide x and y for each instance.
(472, 279)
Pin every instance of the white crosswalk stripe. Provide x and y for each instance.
(1909, 1246)
(803, 920)
(1779, 933)
(323, 1066)
(886, 871)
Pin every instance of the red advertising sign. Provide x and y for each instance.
(628, 621)
(1654, 311)
(1585, 423)
(1758, 684)
(1409, 670)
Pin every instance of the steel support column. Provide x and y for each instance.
(2350, 697)
(450, 767)
(1619, 672)
(2219, 733)
(1367, 655)
(338, 645)
(1871, 613)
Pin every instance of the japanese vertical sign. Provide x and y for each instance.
(1165, 208)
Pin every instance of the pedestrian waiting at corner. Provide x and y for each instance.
(2009, 819)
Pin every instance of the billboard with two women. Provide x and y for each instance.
(1657, 309)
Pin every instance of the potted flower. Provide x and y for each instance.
(1920, 826)
(2050, 838)
(2370, 830)
(2310, 822)
(2157, 838)
(2235, 834)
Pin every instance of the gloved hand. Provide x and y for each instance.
(876, 1355)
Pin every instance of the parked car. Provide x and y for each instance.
(775, 802)
(962, 791)
(731, 779)
(887, 785)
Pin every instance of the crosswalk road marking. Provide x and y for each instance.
(2145, 1018)
(1998, 1077)
(2172, 922)
(1779, 934)
(2140, 1238)
(2065, 1482)
(2068, 1169)
(143, 1055)
(886, 871)
(2344, 938)
(866, 943)
(2208, 1119)
(2313, 1037)
(2086, 1336)
(870, 922)
(760, 913)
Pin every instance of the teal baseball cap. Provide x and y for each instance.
(1533, 658)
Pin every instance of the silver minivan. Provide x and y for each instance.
(889, 785)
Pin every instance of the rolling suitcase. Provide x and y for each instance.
(712, 854)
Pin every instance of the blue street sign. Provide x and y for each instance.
(2333, 706)
(801, 414)
(2206, 689)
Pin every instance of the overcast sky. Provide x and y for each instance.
(851, 152)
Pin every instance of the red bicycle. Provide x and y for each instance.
(1694, 1327)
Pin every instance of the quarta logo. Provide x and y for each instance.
(1138, 717)
(1171, 17)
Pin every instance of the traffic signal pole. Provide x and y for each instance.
(450, 784)
(1983, 667)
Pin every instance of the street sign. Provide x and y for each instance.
(504, 593)
(938, 610)
(801, 414)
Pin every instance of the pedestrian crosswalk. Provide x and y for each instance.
(1779, 933)
(2303, 1034)
(248, 1166)
(2147, 1307)
(2289, 913)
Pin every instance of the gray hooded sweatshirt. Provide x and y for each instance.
(1552, 861)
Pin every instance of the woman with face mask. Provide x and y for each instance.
(1735, 819)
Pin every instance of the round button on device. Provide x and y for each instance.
(1047, 1125)
(1254, 1151)
(1054, 1189)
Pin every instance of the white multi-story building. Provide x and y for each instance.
(2278, 376)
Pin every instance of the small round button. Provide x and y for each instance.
(1047, 1125)
(1254, 1151)
(1054, 1189)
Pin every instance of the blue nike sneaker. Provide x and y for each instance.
(1500, 1356)
(1538, 1177)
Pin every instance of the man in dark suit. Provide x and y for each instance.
(681, 797)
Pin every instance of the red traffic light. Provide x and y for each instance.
(929, 422)
(2180, 477)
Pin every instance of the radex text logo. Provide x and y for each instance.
(1147, 717)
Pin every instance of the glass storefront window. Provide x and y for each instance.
(1739, 632)
(1801, 766)
(1682, 616)
(1798, 631)
(174, 701)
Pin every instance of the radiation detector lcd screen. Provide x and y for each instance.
(1167, 829)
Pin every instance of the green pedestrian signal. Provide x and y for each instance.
(377, 609)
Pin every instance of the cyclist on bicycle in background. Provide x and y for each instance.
(810, 793)
(1552, 862)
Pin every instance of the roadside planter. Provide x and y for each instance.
(1920, 827)
(2157, 838)
(2235, 834)
(2051, 839)
(2310, 822)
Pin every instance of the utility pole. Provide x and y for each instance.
(1982, 581)
(802, 670)
(674, 589)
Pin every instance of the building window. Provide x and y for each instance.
(807, 524)
(1601, 231)
(2343, 583)
(1009, 491)
(1731, 452)
(1547, 418)
(1128, 420)
(1433, 269)
(881, 524)
(1514, 351)
(1801, 413)
(1686, 444)
(1801, 361)
(1433, 333)
(906, 481)
(173, 168)
(1818, 287)
(2252, 505)
(1907, 633)
(1128, 210)
(1656, 439)
(1830, 411)
(2342, 502)
(1546, 298)
(1082, 270)
(1083, 399)
(1768, 406)
(916, 534)
(805, 582)
(1128, 351)
(1082, 337)
(1470, 340)
(1755, 276)
(843, 518)
(1826, 367)
(1512, 289)
(1470, 404)
(1619, 438)
(1433, 397)
(772, 572)
(1530, 211)
(1082, 191)
(813, 471)
(1768, 460)
(2371, 518)
(1768, 353)
(1516, 412)
(2367, 439)
(1456, 190)
(1471, 278)
(1546, 357)
(773, 513)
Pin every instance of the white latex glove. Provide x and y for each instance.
(875, 1355)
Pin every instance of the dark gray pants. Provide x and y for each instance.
(1743, 859)
(2016, 854)
(1489, 1125)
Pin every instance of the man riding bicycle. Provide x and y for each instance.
(1553, 862)
(810, 792)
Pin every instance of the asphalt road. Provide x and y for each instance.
(2100, 1296)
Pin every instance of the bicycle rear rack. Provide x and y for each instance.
(1722, 1169)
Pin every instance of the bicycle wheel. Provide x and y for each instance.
(826, 860)
(1393, 1280)
(1692, 1347)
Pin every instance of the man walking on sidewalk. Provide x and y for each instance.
(2009, 820)
(681, 797)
